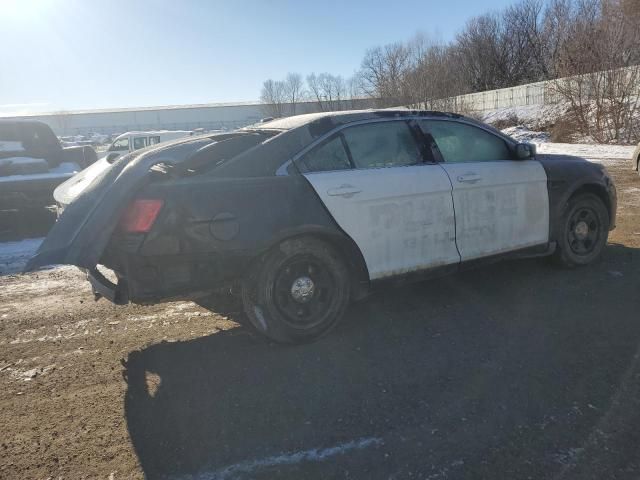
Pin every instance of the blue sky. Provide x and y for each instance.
(75, 54)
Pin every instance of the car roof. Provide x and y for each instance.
(152, 132)
(346, 116)
(147, 133)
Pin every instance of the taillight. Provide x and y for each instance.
(140, 215)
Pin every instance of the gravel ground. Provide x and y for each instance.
(518, 370)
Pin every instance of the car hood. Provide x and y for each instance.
(94, 200)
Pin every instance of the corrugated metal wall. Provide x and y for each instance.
(210, 117)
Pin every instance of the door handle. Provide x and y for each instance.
(469, 178)
(346, 191)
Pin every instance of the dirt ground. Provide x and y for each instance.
(519, 370)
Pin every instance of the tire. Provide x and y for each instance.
(584, 231)
(297, 292)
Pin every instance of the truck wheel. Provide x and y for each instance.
(297, 292)
(584, 231)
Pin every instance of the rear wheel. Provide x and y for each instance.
(297, 292)
(584, 231)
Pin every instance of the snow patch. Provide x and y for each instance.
(535, 117)
(521, 133)
(312, 455)
(605, 154)
(14, 255)
(10, 146)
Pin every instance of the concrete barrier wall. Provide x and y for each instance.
(540, 93)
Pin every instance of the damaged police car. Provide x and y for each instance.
(300, 215)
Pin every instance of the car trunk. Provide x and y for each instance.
(94, 200)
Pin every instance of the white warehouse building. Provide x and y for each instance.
(180, 117)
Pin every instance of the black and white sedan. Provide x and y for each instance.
(300, 215)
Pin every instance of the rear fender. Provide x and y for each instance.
(83, 231)
(344, 246)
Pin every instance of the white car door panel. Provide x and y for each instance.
(401, 218)
(500, 206)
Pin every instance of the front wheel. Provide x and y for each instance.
(297, 292)
(584, 231)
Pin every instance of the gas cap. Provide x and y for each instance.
(224, 226)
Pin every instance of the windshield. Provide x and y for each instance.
(120, 145)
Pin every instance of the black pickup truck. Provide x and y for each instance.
(33, 164)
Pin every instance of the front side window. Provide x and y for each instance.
(384, 144)
(459, 142)
(120, 145)
(139, 142)
(154, 140)
(328, 156)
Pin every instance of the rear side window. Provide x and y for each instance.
(139, 142)
(459, 142)
(384, 144)
(328, 156)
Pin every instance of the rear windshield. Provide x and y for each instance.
(222, 151)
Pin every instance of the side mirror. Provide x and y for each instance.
(525, 150)
(112, 157)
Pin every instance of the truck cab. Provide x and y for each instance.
(33, 163)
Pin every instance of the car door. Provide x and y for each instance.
(501, 204)
(397, 208)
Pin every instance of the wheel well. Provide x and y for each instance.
(350, 255)
(597, 190)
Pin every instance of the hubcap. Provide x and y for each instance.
(583, 231)
(302, 289)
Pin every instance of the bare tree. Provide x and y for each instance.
(293, 86)
(274, 97)
(328, 91)
(383, 73)
(532, 40)
(598, 63)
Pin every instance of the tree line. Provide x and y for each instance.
(529, 41)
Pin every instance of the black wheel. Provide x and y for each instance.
(297, 292)
(583, 232)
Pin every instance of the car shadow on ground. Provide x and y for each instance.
(501, 372)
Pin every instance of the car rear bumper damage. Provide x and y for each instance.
(104, 288)
(126, 276)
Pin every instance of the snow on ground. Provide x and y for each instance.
(531, 116)
(606, 154)
(523, 134)
(14, 255)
